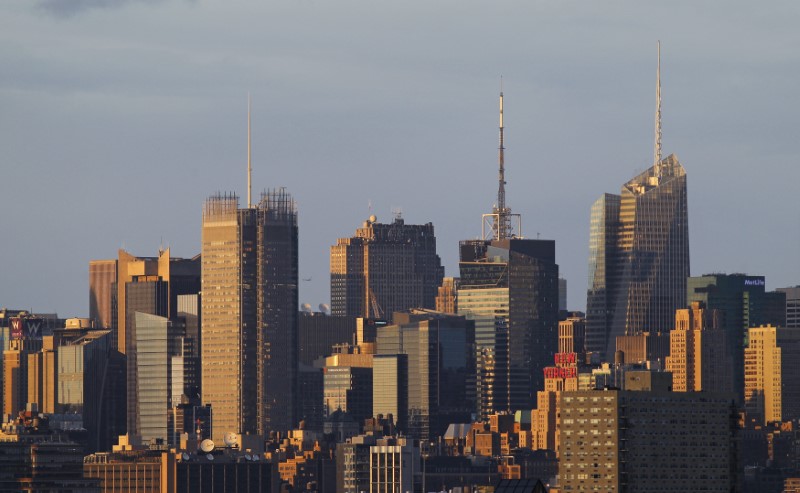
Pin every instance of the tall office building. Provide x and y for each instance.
(699, 357)
(249, 313)
(509, 287)
(440, 369)
(149, 285)
(772, 374)
(638, 253)
(385, 268)
(743, 303)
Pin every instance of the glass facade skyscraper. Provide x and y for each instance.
(509, 288)
(638, 257)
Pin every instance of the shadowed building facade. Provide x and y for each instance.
(249, 313)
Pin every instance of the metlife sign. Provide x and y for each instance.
(754, 281)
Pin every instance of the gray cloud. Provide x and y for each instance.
(70, 8)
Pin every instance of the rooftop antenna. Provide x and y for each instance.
(657, 149)
(500, 227)
(502, 211)
(249, 164)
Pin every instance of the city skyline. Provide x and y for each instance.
(83, 141)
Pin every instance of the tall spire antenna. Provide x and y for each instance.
(498, 224)
(249, 164)
(657, 149)
(501, 210)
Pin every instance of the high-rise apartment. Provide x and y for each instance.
(509, 287)
(772, 374)
(699, 357)
(638, 253)
(249, 313)
(385, 268)
(647, 439)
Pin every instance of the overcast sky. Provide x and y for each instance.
(118, 118)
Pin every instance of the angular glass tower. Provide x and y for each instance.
(638, 257)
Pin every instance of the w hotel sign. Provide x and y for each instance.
(26, 328)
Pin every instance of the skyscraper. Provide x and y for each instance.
(249, 313)
(102, 276)
(743, 303)
(699, 359)
(509, 287)
(385, 268)
(638, 252)
(772, 374)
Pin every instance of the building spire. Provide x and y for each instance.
(249, 164)
(502, 212)
(657, 147)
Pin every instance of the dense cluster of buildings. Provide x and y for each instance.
(204, 373)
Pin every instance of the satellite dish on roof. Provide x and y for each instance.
(230, 439)
(256, 458)
(305, 307)
(325, 308)
(207, 445)
(185, 456)
(209, 457)
(247, 457)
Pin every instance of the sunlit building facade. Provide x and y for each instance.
(249, 313)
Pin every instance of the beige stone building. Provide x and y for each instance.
(772, 374)
(699, 359)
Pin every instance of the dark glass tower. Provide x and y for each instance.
(509, 287)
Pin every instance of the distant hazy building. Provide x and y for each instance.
(699, 357)
(249, 313)
(102, 282)
(647, 440)
(385, 268)
(772, 374)
(792, 306)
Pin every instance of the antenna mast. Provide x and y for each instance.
(499, 221)
(249, 164)
(657, 149)
(502, 212)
